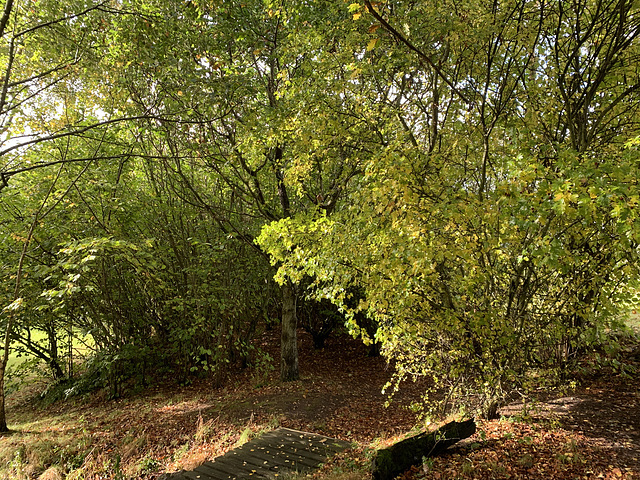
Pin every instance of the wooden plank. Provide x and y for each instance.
(296, 448)
(310, 441)
(234, 471)
(285, 451)
(273, 460)
(268, 456)
(277, 458)
(222, 467)
(289, 445)
(196, 476)
(282, 457)
(213, 473)
(235, 465)
(266, 464)
(250, 459)
(308, 457)
(174, 476)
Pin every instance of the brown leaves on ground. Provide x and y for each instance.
(509, 449)
(593, 433)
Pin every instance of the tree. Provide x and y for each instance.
(241, 78)
(13, 309)
(493, 233)
(43, 99)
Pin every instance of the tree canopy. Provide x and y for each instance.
(494, 233)
(460, 175)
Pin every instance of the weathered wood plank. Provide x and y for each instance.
(268, 456)
(322, 446)
(311, 441)
(173, 476)
(231, 470)
(196, 476)
(390, 462)
(212, 473)
(283, 460)
(236, 465)
(284, 449)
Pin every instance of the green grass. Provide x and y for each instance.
(14, 359)
(34, 447)
(37, 336)
(634, 319)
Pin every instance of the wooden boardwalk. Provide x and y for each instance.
(271, 455)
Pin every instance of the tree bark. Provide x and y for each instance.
(11, 316)
(288, 344)
(3, 417)
(399, 457)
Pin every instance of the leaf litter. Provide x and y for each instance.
(591, 432)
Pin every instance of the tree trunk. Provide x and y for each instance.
(10, 318)
(54, 362)
(399, 457)
(288, 344)
(3, 416)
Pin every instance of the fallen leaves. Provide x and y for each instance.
(594, 433)
(517, 450)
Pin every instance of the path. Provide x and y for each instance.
(269, 456)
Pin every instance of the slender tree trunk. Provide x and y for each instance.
(16, 294)
(3, 417)
(288, 344)
(7, 334)
(54, 359)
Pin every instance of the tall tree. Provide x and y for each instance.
(492, 234)
(240, 76)
(40, 51)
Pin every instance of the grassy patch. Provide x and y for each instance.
(31, 451)
(634, 319)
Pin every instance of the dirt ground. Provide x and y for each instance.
(592, 431)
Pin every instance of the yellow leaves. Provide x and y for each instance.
(18, 238)
(354, 8)
(372, 44)
(14, 306)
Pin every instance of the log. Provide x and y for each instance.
(390, 462)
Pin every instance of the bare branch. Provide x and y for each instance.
(60, 20)
(35, 166)
(71, 131)
(43, 74)
(423, 56)
(5, 17)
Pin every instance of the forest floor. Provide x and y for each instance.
(590, 431)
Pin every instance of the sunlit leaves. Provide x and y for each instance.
(485, 244)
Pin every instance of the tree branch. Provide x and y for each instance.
(423, 56)
(5, 16)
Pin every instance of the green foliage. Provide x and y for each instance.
(148, 465)
(463, 175)
(490, 246)
(263, 368)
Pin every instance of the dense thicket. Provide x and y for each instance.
(460, 178)
(495, 231)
